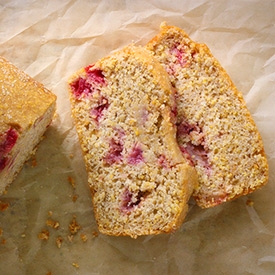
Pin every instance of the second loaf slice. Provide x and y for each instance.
(215, 129)
(123, 109)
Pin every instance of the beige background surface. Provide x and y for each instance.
(50, 40)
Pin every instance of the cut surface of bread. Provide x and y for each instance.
(123, 111)
(26, 109)
(215, 130)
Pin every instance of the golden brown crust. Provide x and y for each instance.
(18, 92)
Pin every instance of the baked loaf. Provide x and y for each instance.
(26, 109)
(123, 111)
(215, 129)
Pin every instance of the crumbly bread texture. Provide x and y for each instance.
(123, 109)
(215, 129)
(26, 109)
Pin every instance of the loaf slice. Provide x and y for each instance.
(26, 109)
(123, 111)
(215, 130)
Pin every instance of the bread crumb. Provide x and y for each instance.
(1, 231)
(71, 181)
(250, 203)
(74, 198)
(70, 238)
(49, 273)
(59, 241)
(44, 235)
(83, 237)
(75, 265)
(95, 234)
(52, 223)
(4, 206)
(34, 162)
(74, 227)
(50, 213)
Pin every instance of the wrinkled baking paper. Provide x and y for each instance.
(46, 219)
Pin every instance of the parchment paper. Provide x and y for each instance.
(47, 225)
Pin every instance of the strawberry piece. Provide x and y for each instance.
(95, 79)
(131, 200)
(135, 156)
(81, 86)
(95, 75)
(7, 141)
(114, 154)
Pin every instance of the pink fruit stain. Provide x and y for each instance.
(80, 86)
(97, 112)
(185, 128)
(179, 54)
(174, 113)
(95, 75)
(163, 162)
(144, 115)
(85, 86)
(114, 155)
(7, 141)
(196, 154)
(131, 200)
(135, 156)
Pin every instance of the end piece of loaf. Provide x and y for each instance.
(26, 109)
(140, 182)
(216, 132)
